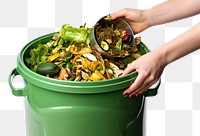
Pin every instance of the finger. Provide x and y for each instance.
(129, 69)
(140, 91)
(137, 83)
(118, 14)
(144, 87)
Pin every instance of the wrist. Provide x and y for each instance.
(163, 56)
(149, 21)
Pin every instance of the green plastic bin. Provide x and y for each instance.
(68, 108)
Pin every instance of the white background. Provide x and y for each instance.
(175, 111)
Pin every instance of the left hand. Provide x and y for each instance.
(149, 68)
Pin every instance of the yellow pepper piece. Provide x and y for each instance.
(85, 62)
(96, 76)
(84, 50)
(123, 33)
(93, 65)
(53, 57)
(73, 48)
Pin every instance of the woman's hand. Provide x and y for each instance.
(149, 67)
(139, 20)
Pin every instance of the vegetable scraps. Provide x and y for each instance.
(70, 56)
(112, 39)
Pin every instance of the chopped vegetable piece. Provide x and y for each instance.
(108, 17)
(37, 55)
(126, 38)
(48, 69)
(74, 50)
(119, 44)
(77, 35)
(53, 57)
(63, 74)
(104, 45)
(96, 76)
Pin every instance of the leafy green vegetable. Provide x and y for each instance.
(142, 48)
(119, 44)
(117, 32)
(37, 55)
(77, 35)
(127, 60)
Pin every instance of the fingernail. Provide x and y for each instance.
(138, 94)
(131, 95)
(125, 94)
(120, 75)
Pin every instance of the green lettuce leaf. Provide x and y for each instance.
(77, 35)
(37, 55)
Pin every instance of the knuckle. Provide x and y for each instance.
(152, 78)
(145, 73)
(126, 9)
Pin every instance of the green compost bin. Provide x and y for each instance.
(68, 108)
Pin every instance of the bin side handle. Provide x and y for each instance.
(153, 91)
(16, 91)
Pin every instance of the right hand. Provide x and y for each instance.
(137, 19)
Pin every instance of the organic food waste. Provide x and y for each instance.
(70, 56)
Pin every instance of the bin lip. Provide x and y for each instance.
(103, 86)
(60, 85)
